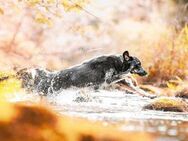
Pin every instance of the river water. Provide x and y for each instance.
(118, 108)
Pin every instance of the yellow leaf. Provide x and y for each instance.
(178, 79)
(7, 111)
(42, 19)
(1, 11)
(171, 85)
(73, 5)
(33, 2)
(50, 1)
(8, 84)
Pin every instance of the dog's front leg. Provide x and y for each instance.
(113, 79)
(111, 76)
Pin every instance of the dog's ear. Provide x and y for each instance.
(126, 55)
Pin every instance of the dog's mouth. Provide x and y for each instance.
(140, 72)
(143, 73)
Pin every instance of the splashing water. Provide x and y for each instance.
(116, 107)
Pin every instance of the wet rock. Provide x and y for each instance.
(183, 93)
(168, 104)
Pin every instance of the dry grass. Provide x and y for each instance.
(169, 58)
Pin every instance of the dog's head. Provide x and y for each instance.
(132, 64)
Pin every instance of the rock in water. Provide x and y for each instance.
(168, 104)
(183, 93)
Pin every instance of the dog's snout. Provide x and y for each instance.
(144, 73)
(141, 72)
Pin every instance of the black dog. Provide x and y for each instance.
(91, 73)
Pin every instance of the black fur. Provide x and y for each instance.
(91, 73)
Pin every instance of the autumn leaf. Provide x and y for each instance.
(50, 1)
(73, 5)
(33, 2)
(7, 111)
(171, 86)
(42, 19)
(8, 84)
(1, 11)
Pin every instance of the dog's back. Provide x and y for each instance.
(89, 73)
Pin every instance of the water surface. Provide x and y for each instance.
(119, 108)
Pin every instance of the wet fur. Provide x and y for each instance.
(91, 73)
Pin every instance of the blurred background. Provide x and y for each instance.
(56, 34)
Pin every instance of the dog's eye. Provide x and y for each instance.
(131, 58)
(138, 63)
(137, 67)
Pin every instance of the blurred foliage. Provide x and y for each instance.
(171, 64)
(73, 5)
(1, 11)
(9, 84)
(46, 10)
(180, 1)
(23, 122)
(7, 111)
(40, 18)
(180, 14)
(175, 84)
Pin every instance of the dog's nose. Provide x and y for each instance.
(144, 73)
